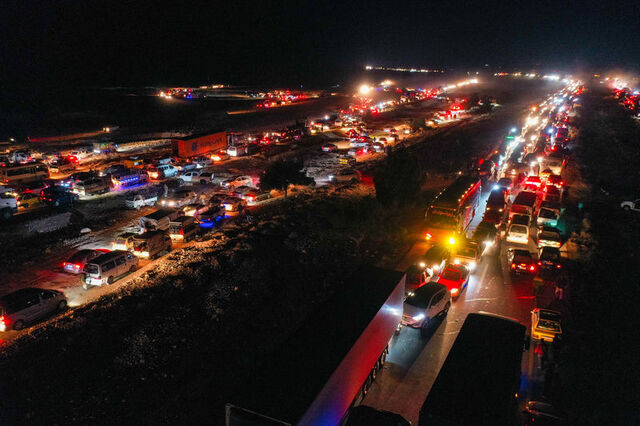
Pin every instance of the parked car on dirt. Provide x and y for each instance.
(183, 228)
(108, 268)
(179, 198)
(137, 200)
(27, 305)
(345, 175)
(28, 201)
(163, 171)
(58, 197)
(75, 263)
(237, 181)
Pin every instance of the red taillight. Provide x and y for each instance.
(539, 263)
(513, 266)
(76, 266)
(532, 268)
(558, 266)
(64, 264)
(561, 183)
(182, 232)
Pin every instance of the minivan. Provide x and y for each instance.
(151, 243)
(107, 268)
(27, 305)
(183, 228)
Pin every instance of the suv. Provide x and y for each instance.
(57, 197)
(425, 304)
(193, 176)
(107, 268)
(28, 305)
(435, 259)
(346, 175)
(179, 198)
(497, 200)
(549, 258)
(150, 244)
(163, 172)
(521, 261)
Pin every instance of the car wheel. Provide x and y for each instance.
(626, 208)
(203, 181)
(109, 280)
(132, 269)
(62, 305)
(446, 309)
(18, 325)
(180, 181)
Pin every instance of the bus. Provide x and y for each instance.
(453, 209)
(23, 173)
(479, 381)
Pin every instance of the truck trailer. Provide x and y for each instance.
(329, 363)
(195, 145)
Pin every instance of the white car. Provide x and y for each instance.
(425, 304)
(238, 181)
(345, 175)
(194, 176)
(631, 205)
(518, 234)
(549, 237)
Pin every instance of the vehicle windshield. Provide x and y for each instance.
(91, 269)
(441, 221)
(419, 299)
(451, 274)
(550, 325)
(467, 252)
(79, 256)
(547, 214)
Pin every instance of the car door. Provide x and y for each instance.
(47, 301)
(31, 306)
(434, 305)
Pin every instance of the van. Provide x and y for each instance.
(91, 186)
(151, 243)
(182, 228)
(107, 268)
(28, 305)
(158, 220)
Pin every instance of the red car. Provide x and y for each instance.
(455, 278)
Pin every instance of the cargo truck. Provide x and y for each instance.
(330, 362)
(195, 145)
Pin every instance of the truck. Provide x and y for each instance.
(479, 381)
(158, 220)
(8, 203)
(329, 363)
(194, 145)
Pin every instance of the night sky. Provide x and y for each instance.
(88, 42)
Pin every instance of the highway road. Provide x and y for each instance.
(414, 361)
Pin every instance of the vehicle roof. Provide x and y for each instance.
(486, 353)
(149, 234)
(455, 191)
(423, 294)
(294, 374)
(108, 256)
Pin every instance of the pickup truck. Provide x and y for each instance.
(137, 200)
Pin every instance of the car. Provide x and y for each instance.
(415, 277)
(345, 175)
(549, 258)
(631, 205)
(179, 198)
(518, 234)
(57, 197)
(521, 219)
(123, 241)
(555, 180)
(234, 206)
(435, 259)
(552, 194)
(506, 184)
(254, 197)
(108, 267)
(137, 200)
(494, 217)
(497, 200)
(220, 156)
(112, 169)
(547, 217)
(209, 217)
(329, 147)
(426, 304)
(192, 209)
(549, 237)
(193, 176)
(202, 162)
(240, 191)
(467, 254)
(378, 147)
(28, 201)
(27, 305)
(455, 278)
(76, 262)
(92, 186)
(486, 234)
(163, 171)
(237, 181)
(521, 261)
(545, 324)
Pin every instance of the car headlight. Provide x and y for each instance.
(331, 176)
(472, 266)
(488, 243)
(456, 261)
(172, 203)
(422, 265)
(418, 317)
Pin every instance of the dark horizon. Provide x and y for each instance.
(97, 43)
